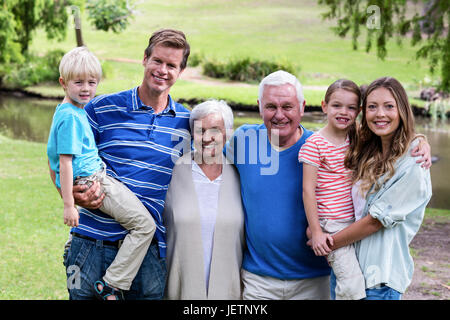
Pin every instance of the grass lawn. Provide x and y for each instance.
(32, 233)
(282, 30)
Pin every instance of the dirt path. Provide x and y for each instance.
(431, 253)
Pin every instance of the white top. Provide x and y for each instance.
(185, 261)
(359, 201)
(208, 199)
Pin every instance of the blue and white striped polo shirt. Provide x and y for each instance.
(140, 149)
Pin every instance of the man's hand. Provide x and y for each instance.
(88, 197)
(422, 150)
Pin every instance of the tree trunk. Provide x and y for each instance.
(77, 22)
(79, 37)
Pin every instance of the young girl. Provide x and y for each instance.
(327, 185)
(395, 189)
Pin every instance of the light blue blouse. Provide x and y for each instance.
(399, 205)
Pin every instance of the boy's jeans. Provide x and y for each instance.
(88, 260)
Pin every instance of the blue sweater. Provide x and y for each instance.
(275, 220)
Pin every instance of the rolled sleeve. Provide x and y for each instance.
(402, 196)
(382, 213)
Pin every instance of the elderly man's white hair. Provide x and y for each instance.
(279, 78)
(212, 107)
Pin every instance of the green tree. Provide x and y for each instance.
(9, 48)
(32, 14)
(425, 22)
(19, 19)
(109, 14)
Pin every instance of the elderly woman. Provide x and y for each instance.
(203, 213)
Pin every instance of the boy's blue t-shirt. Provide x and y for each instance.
(71, 134)
(275, 220)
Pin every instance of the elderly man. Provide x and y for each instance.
(277, 262)
(134, 132)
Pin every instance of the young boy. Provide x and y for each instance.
(73, 156)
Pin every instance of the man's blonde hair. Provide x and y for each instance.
(80, 62)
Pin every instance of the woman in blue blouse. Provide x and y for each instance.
(390, 191)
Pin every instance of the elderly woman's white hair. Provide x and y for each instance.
(212, 107)
(279, 78)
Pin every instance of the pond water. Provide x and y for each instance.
(30, 119)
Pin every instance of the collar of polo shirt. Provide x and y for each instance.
(137, 104)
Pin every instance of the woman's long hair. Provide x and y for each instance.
(366, 157)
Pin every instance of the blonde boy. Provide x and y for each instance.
(73, 157)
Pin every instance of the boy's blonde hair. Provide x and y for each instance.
(80, 62)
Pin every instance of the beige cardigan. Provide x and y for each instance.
(185, 265)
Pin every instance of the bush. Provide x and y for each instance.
(215, 69)
(245, 69)
(37, 69)
(33, 71)
(195, 59)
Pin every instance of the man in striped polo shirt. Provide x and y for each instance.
(138, 133)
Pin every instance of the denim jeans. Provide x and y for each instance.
(382, 292)
(88, 260)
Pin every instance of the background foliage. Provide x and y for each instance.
(21, 19)
(423, 22)
(245, 69)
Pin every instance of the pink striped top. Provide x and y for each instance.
(334, 187)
